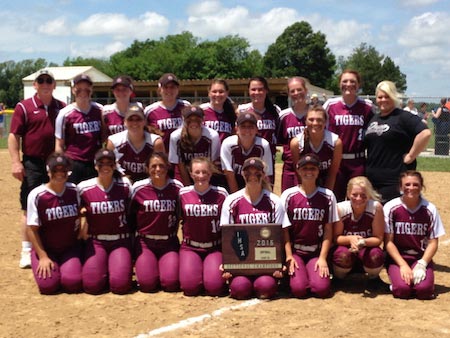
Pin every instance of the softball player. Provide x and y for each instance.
(317, 140)
(53, 228)
(265, 111)
(190, 141)
(241, 208)
(348, 117)
(219, 112)
(311, 211)
(413, 228)
(360, 232)
(200, 253)
(237, 148)
(133, 146)
(79, 130)
(165, 115)
(292, 123)
(104, 205)
(114, 114)
(154, 205)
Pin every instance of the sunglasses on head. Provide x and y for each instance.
(47, 80)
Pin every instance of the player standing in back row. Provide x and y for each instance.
(348, 117)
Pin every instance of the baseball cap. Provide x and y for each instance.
(134, 110)
(193, 110)
(314, 96)
(81, 77)
(246, 117)
(254, 162)
(124, 80)
(104, 153)
(308, 159)
(58, 160)
(166, 78)
(44, 72)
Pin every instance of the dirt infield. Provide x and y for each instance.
(351, 312)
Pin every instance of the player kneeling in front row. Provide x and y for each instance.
(104, 205)
(360, 232)
(312, 212)
(250, 205)
(413, 228)
(52, 226)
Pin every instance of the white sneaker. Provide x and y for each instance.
(25, 259)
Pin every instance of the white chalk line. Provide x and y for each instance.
(446, 242)
(193, 320)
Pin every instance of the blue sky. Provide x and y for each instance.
(414, 33)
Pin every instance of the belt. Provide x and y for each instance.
(353, 156)
(308, 248)
(156, 237)
(106, 237)
(411, 252)
(203, 245)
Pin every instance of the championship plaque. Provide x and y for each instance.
(251, 249)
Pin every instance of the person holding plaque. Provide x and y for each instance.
(254, 204)
(200, 253)
(311, 211)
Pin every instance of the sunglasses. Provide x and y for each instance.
(47, 80)
(135, 119)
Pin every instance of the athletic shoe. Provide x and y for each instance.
(25, 259)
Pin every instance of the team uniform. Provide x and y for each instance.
(308, 216)
(82, 135)
(56, 215)
(108, 248)
(35, 124)
(200, 253)
(113, 119)
(267, 124)
(207, 146)
(324, 152)
(350, 124)
(388, 139)
(165, 119)
(233, 156)
(157, 245)
(237, 209)
(368, 257)
(217, 120)
(411, 230)
(291, 125)
(131, 160)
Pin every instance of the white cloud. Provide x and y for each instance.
(95, 50)
(425, 30)
(56, 27)
(417, 3)
(119, 26)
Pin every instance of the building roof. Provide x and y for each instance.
(66, 74)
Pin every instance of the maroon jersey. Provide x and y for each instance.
(132, 160)
(325, 151)
(219, 121)
(238, 209)
(106, 209)
(308, 215)
(82, 132)
(290, 126)
(361, 226)
(56, 215)
(35, 124)
(156, 209)
(412, 228)
(113, 119)
(200, 213)
(349, 123)
(165, 119)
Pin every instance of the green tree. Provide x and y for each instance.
(373, 68)
(300, 51)
(103, 65)
(11, 75)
